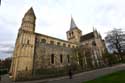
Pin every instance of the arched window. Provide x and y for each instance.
(61, 58)
(51, 42)
(68, 58)
(93, 43)
(69, 45)
(64, 44)
(43, 41)
(26, 69)
(52, 58)
(27, 41)
(58, 43)
(70, 34)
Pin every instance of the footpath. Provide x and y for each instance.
(77, 78)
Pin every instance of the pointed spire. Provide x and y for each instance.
(94, 29)
(72, 25)
(30, 12)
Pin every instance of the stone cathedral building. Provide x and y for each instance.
(36, 51)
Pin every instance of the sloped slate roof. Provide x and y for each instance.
(87, 37)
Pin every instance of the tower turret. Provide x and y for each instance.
(74, 34)
(22, 62)
(28, 21)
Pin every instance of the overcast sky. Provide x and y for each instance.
(53, 18)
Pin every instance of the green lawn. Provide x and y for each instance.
(117, 77)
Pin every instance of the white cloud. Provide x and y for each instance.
(53, 16)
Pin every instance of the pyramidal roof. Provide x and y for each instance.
(72, 25)
(30, 12)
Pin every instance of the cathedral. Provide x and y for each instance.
(35, 51)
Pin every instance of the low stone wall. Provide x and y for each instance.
(24, 75)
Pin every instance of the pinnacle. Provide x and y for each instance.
(30, 12)
(72, 25)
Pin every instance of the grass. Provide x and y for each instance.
(117, 77)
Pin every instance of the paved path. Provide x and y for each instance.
(78, 78)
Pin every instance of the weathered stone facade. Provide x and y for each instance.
(46, 47)
(35, 51)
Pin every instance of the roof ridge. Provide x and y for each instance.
(87, 36)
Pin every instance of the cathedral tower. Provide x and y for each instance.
(22, 62)
(74, 34)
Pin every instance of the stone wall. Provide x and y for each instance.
(44, 52)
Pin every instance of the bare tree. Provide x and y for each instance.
(115, 39)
